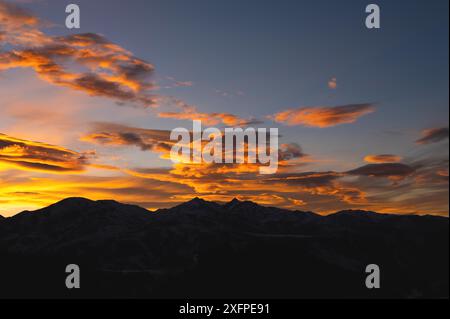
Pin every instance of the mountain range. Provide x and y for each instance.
(202, 249)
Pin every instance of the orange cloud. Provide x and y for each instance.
(323, 116)
(126, 81)
(109, 70)
(443, 173)
(433, 135)
(121, 135)
(382, 158)
(36, 156)
(159, 141)
(18, 26)
(185, 111)
(13, 16)
(207, 118)
(102, 68)
(332, 84)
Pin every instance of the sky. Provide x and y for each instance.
(363, 114)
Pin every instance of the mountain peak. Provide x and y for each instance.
(81, 202)
(74, 201)
(197, 203)
(234, 201)
(71, 204)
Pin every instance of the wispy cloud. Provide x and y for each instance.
(92, 64)
(208, 118)
(176, 83)
(120, 135)
(433, 135)
(382, 158)
(323, 116)
(36, 156)
(384, 170)
(332, 83)
(185, 111)
(85, 62)
(18, 26)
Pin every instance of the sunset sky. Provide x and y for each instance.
(363, 114)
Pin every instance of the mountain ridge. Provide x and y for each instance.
(202, 249)
(197, 202)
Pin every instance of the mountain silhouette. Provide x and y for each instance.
(203, 249)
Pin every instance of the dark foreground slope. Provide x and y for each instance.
(205, 250)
